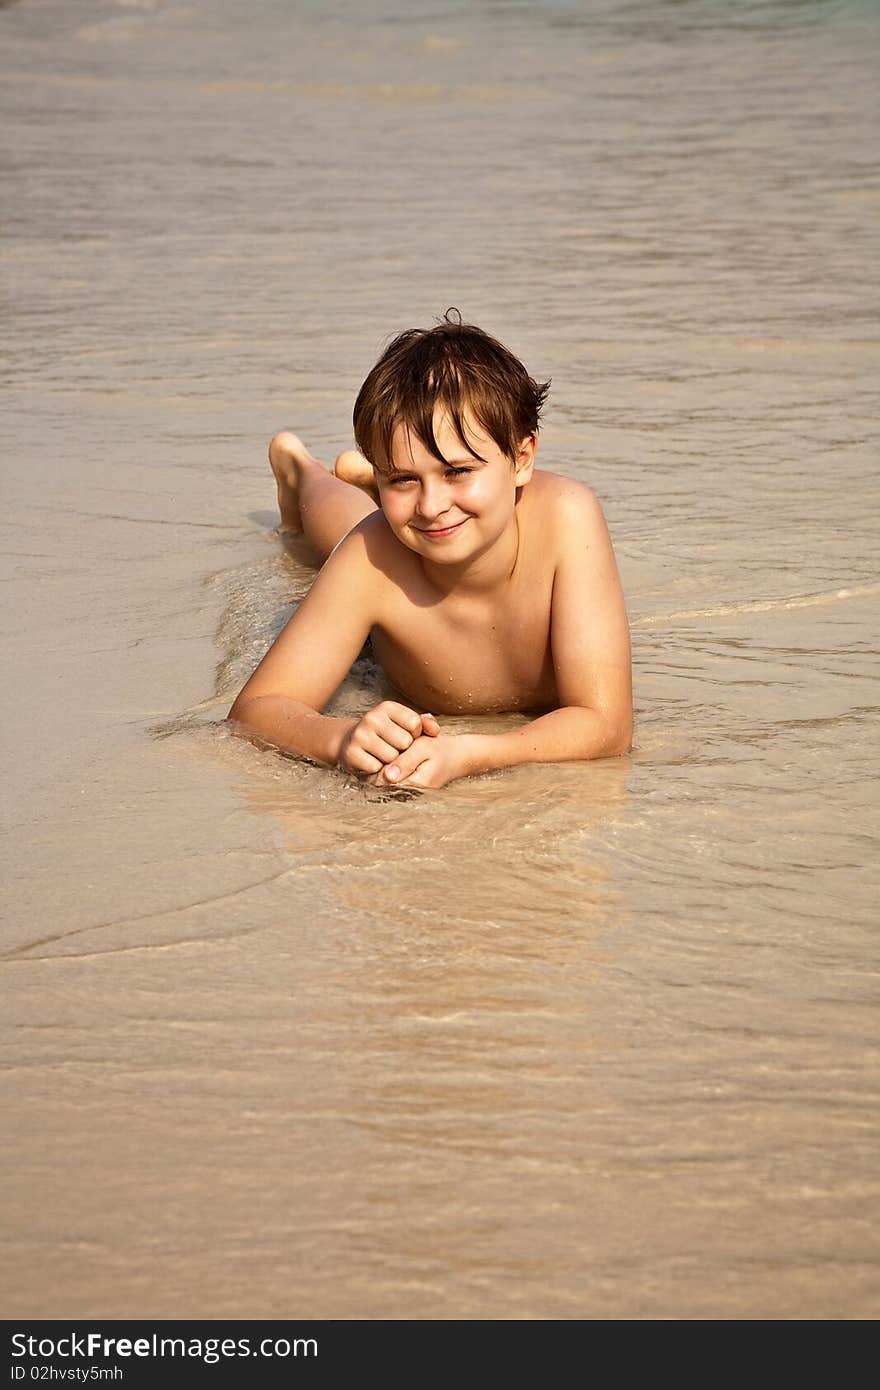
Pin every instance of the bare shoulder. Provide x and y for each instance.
(556, 494)
(372, 548)
(566, 510)
(373, 558)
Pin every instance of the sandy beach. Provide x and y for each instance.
(586, 1041)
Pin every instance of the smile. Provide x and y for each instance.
(438, 533)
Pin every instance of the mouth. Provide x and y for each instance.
(438, 533)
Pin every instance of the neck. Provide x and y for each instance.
(482, 574)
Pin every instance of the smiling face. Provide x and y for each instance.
(457, 508)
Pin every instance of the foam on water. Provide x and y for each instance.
(778, 605)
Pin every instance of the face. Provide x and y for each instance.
(456, 510)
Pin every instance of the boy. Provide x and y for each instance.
(484, 584)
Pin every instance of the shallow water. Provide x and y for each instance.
(564, 1041)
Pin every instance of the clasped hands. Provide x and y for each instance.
(393, 746)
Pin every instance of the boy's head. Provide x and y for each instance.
(461, 370)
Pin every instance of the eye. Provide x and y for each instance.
(400, 481)
(460, 472)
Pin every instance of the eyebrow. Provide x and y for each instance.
(467, 461)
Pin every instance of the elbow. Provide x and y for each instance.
(241, 721)
(236, 714)
(619, 736)
(617, 746)
(611, 733)
(241, 716)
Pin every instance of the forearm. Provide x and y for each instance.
(564, 735)
(282, 723)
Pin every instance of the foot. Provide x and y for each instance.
(287, 455)
(353, 468)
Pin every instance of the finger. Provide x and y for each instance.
(383, 749)
(407, 718)
(421, 780)
(360, 762)
(430, 726)
(405, 765)
(424, 778)
(398, 737)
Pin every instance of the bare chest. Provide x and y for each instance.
(471, 656)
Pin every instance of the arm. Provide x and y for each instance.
(589, 638)
(281, 704)
(589, 635)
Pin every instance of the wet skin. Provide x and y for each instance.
(485, 586)
(467, 622)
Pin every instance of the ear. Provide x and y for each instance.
(524, 462)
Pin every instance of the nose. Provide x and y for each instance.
(433, 498)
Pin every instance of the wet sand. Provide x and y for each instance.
(567, 1041)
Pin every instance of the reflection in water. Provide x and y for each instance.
(501, 849)
(508, 850)
(467, 922)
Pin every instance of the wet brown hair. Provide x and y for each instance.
(459, 367)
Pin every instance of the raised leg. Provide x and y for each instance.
(311, 498)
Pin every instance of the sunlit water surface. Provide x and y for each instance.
(574, 1041)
